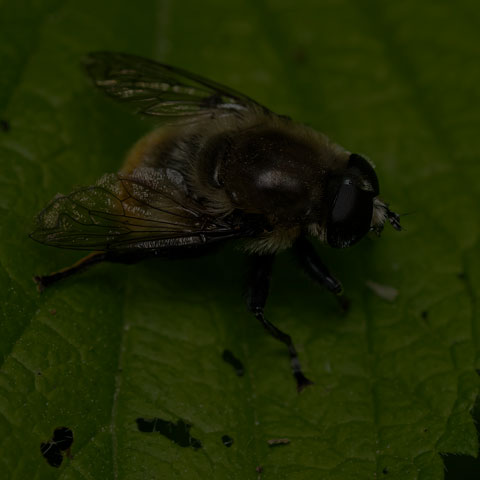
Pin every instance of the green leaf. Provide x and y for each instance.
(394, 382)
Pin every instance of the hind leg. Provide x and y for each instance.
(44, 281)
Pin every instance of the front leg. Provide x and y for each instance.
(311, 263)
(257, 293)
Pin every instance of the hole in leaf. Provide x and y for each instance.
(227, 441)
(230, 358)
(63, 437)
(51, 453)
(61, 441)
(179, 432)
(464, 467)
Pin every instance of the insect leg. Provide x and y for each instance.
(311, 263)
(126, 258)
(257, 293)
(91, 259)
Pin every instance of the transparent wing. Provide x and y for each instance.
(152, 88)
(147, 210)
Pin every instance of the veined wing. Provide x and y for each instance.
(153, 88)
(148, 210)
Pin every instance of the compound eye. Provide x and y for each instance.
(350, 215)
(359, 166)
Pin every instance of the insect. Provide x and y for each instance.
(221, 167)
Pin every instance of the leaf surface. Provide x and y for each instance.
(394, 382)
